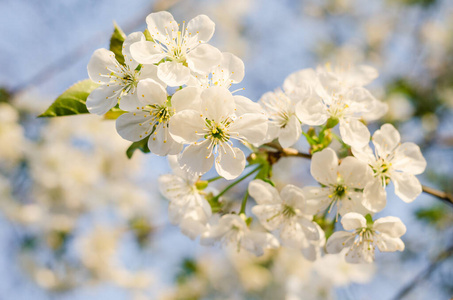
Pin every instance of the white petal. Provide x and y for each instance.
(101, 64)
(269, 215)
(230, 163)
(408, 158)
(359, 100)
(233, 67)
(131, 101)
(162, 26)
(102, 99)
(385, 140)
(407, 186)
(187, 98)
(364, 154)
(134, 126)
(293, 236)
(263, 192)
(354, 133)
(355, 173)
(251, 126)
(256, 242)
(201, 27)
(131, 39)
(316, 199)
(391, 226)
(311, 230)
(301, 80)
(353, 203)
(146, 52)
(374, 196)
(196, 158)
(361, 253)
(161, 143)
(311, 111)
(185, 126)
(290, 133)
(311, 253)
(352, 221)
(386, 243)
(324, 165)
(149, 72)
(151, 92)
(203, 58)
(362, 75)
(173, 73)
(293, 196)
(245, 105)
(217, 103)
(338, 241)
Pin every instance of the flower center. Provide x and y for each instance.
(288, 211)
(218, 131)
(337, 107)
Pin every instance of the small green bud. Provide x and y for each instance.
(201, 184)
(332, 122)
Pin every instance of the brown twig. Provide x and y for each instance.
(447, 198)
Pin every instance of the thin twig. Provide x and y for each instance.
(447, 198)
(425, 273)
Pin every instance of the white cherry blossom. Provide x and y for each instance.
(230, 70)
(188, 207)
(340, 95)
(342, 183)
(182, 49)
(232, 231)
(117, 82)
(209, 131)
(384, 233)
(153, 116)
(392, 161)
(285, 211)
(283, 122)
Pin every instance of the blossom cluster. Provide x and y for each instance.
(174, 91)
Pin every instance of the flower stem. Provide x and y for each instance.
(236, 182)
(244, 202)
(214, 179)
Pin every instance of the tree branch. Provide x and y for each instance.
(447, 198)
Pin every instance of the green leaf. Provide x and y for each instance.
(140, 145)
(72, 101)
(116, 43)
(114, 113)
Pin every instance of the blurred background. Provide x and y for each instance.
(78, 220)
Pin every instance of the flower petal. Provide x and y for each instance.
(217, 103)
(230, 163)
(197, 158)
(386, 140)
(186, 125)
(360, 253)
(203, 58)
(101, 65)
(316, 199)
(251, 126)
(338, 241)
(151, 92)
(161, 143)
(134, 126)
(146, 52)
(186, 98)
(290, 133)
(302, 81)
(201, 27)
(352, 221)
(374, 196)
(245, 105)
(131, 39)
(354, 133)
(355, 173)
(408, 158)
(364, 154)
(324, 165)
(407, 186)
(256, 242)
(162, 26)
(103, 98)
(232, 67)
(391, 226)
(269, 215)
(311, 111)
(386, 243)
(263, 192)
(173, 73)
